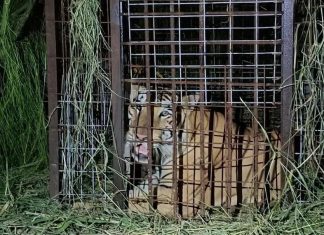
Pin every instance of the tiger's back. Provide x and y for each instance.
(204, 162)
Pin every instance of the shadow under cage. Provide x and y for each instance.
(205, 82)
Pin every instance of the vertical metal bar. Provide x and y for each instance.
(66, 118)
(228, 114)
(104, 97)
(149, 107)
(267, 180)
(53, 134)
(129, 40)
(175, 192)
(179, 43)
(223, 179)
(255, 109)
(131, 171)
(275, 49)
(117, 102)
(287, 89)
(202, 87)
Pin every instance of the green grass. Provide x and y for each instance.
(22, 121)
(31, 211)
(14, 15)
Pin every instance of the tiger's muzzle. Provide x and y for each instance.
(141, 153)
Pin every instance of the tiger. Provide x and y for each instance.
(202, 156)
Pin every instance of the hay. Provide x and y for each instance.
(32, 212)
(309, 93)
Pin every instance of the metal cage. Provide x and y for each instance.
(227, 54)
(224, 60)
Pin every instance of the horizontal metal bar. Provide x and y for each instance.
(207, 28)
(214, 66)
(193, 14)
(191, 2)
(207, 53)
(207, 42)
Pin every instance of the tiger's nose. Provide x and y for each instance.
(141, 137)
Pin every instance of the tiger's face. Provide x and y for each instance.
(158, 128)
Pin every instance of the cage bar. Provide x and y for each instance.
(287, 78)
(117, 102)
(52, 97)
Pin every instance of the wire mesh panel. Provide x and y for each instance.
(79, 98)
(203, 82)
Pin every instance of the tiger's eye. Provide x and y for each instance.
(164, 113)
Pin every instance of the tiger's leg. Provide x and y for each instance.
(139, 198)
(143, 188)
(165, 204)
(187, 197)
(136, 199)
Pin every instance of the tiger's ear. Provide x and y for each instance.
(138, 93)
(190, 100)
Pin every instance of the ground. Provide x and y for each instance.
(27, 209)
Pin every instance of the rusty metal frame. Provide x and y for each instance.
(287, 81)
(52, 98)
(117, 103)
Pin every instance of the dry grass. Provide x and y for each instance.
(32, 212)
